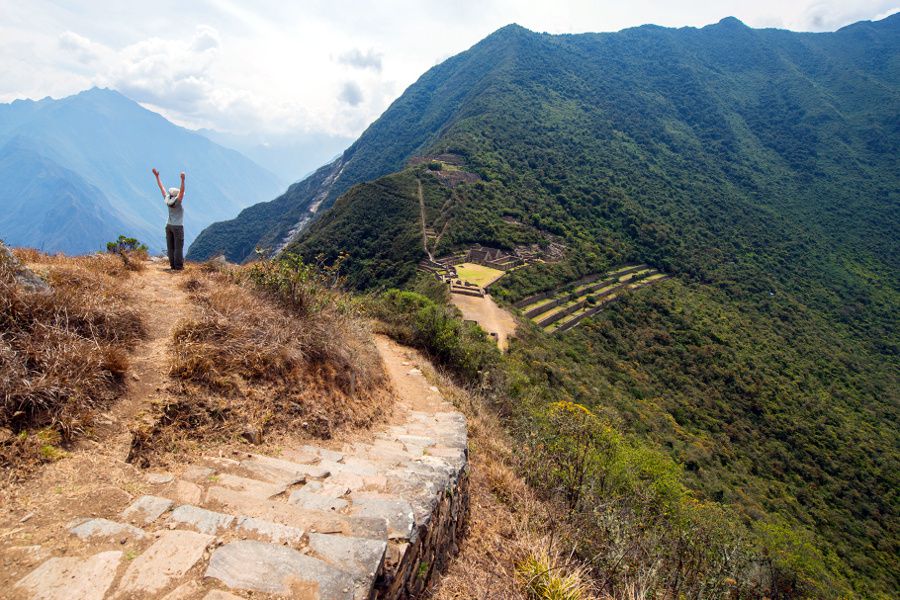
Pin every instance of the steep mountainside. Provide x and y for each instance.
(760, 167)
(110, 143)
(407, 128)
(50, 207)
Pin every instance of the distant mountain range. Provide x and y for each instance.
(76, 173)
(759, 167)
(291, 157)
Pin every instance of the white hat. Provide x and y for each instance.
(172, 197)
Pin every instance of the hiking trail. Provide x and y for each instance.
(421, 197)
(377, 515)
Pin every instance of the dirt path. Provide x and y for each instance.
(488, 315)
(422, 218)
(162, 303)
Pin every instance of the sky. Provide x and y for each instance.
(282, 68)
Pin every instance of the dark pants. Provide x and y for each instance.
(175, 245)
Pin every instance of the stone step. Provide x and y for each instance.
(363, 559)
(396, 512)
(86, 529)
(315, 521)
(164, 563)
(268, 469)
(187, 492)
(317, 496)
(273, 532)
(311, 522)
(257, 566)
(146, 509)
(253, 487)
(64, 578)
(200, 519)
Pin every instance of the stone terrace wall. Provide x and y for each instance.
(433, 544)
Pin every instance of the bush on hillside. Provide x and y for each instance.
(63, 353)
(418, 321)
(132, 252)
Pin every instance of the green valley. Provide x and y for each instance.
(733, 428)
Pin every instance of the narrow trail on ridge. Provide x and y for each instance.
(163, 304)
(378, 511)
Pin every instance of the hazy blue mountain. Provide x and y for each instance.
(292, 157)
(102, 139)
(52, 208)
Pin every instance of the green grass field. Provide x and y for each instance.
(478, 274)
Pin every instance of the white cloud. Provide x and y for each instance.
(351, 93)
(316, 66)
(369, 59)
(83, 49)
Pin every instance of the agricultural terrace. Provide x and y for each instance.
(563, 308)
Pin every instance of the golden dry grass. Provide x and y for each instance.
(246, 366)
(63, 353)
(509, 528)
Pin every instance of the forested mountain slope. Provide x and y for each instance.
(410, 125)
(760, 167)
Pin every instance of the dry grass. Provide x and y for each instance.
(246, 366)
(63, 353)
(478, 274)
(510, 529)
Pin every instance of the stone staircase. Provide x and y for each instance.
(377, 519)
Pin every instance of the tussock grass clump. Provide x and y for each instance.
(546, 575)
(271, 348)
(63, 352)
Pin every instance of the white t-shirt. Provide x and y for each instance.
(176, 211)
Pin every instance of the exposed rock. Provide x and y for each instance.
(252, 435)
(65, 578)
(100, 528)
(166, 561)
(257, 566)
(147, 509)
(204, 521)
(24, 276)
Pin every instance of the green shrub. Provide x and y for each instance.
(130, 250)
(416, 320)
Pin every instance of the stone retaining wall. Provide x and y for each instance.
(434, 543)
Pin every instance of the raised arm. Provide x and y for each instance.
(181, 193)
(159, 183)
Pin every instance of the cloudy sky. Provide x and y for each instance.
(312, 67)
